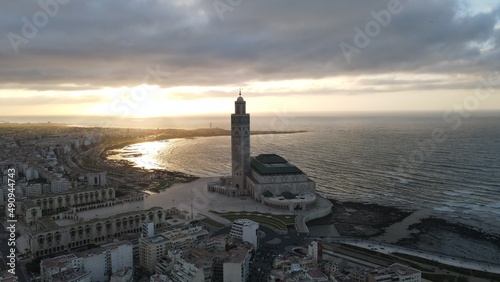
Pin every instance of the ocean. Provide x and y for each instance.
(447, 165)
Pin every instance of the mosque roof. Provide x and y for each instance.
(268, 164)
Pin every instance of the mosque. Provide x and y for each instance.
(267, 178)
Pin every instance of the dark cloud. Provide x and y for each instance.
(95, 44)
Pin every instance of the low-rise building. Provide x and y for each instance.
(185, 238)
(237, 265)
(124, 275)
(66, 268)
(315, 250)
(52, 238)
(30, 211)
(335, 266)
(246, 230)
(97, 179)
(159, 278)
(6, 276)
(108, 259)
(153, 248)
(395, 272)
(148, 229)
(33, 190)
(195, 266)
(288, 264)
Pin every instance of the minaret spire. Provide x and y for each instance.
(240, 146)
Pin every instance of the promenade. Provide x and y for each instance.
(190, 197)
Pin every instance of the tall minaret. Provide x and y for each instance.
(240, 143)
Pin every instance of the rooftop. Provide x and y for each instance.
(29, 204)
(316, 274)
(246, 222)
(70, 275)
(268, 164)
(199, 257)
(158, 239)
(237, 255)
(52, 262)
(402, 269)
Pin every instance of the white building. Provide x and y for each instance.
(121, 255)
(108, 259)
(246, 230)
(66, 268)
(196, 266)
(60, 185)
(94, 261)
(151, 250)
(30, 211)
(395, 272)
(236, 268)
(30, 172)
(185, 238)
(166, 264)
(97, 179)
(33, 190)
(124, 275)
(279, 184)
(315, 250)
(148, 229)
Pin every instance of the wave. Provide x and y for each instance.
(369, 160)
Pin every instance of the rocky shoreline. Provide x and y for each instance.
(430, 233)
(454, 239)
(363, 220)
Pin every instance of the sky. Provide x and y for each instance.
(144, 58)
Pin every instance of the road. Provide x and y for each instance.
(389, 249)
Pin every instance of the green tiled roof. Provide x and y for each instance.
(273, 164)
(270, 159)
(267, 194)
(288, 195)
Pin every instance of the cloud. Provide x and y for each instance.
(95, 44)
(52, 99)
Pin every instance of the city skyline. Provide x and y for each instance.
(156, 58)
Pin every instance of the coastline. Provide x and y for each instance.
(167, 134)
(416, 229)
(105, 149)
(410, 228)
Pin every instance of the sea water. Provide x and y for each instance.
(415, 161)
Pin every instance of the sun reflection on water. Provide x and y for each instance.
(143, 155)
